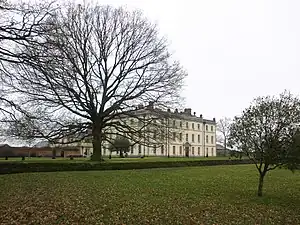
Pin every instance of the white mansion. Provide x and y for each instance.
(170, 133)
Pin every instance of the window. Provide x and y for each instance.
(180, 124)
(162, 136)
(198, 126)
(206, 138)
(193, 138)
(180, 150)
(174, 136)
(186, 137)
(199, 138)
(193, 150)
(212, 151)
(212, 139)
(131, 149)
(187, 125)
(180, 136)
(193, 126)
(174, 148)
(211, 128)
(154, 149)
(206, 127)
(198, 150)
(207, 151)
(140, 149)
(162, 149)
(174, 123)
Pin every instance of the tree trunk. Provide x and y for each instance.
(225, 144)
(97, 142)
(260, 185)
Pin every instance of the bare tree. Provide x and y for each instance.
(223, 128)
(20, 24)
(91, 70)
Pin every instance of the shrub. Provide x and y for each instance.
(15, 167)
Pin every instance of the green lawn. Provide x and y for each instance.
(197, 195)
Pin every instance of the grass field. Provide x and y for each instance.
(198, 195)
(114, 159)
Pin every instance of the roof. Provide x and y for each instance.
(34, 149)
(176, 114)
(41, 144)
(4, 146)
(220, 147)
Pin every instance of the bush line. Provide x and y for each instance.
(15, 167)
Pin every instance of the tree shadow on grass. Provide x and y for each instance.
(283, 200)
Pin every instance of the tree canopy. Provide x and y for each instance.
(266, 133)
(121, 145)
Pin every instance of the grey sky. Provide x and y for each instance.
(233, 50)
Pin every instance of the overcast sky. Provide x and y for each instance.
(233, 50)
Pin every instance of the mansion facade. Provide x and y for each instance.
(166, 133)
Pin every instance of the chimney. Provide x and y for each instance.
(201, 116)
(214, 119)
(168, 110)
(176, 110)
(194, 113)
(188, 111)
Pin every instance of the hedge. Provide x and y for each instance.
(16, 167)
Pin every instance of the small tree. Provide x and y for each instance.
(293, 161)
(121, 145)
(265, 132)
(223, 127)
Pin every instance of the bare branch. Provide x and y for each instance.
(95, 64)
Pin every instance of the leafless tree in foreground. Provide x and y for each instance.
(20, 24)
(90, 71)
